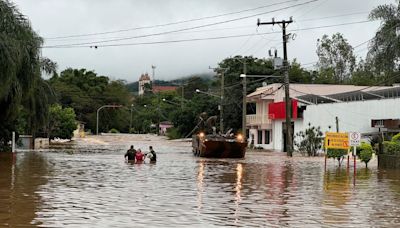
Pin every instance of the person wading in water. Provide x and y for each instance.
(139, 156)
(130, 154)
(152, 155)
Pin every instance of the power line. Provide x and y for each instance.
(334, 16)
(189, 28)
(198, 39)
(173, 23)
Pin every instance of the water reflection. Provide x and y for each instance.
(20, 179)
(200, 189)
(336, 194)
(93, 187)
(239, 173)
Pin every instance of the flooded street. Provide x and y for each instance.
(88, 184)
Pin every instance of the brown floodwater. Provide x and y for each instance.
(90, 185)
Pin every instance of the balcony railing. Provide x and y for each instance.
(258, 120)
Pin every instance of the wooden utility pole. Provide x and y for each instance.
(244, 103)
(288, 122)
(158, 99)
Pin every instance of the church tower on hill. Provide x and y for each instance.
(144, 79)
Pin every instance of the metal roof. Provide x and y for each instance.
(316, 93)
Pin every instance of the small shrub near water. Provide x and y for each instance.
(337, 154)
(391, 148)
(114, 131)
(366, 156)
(310, 141)
(396, 138)
(364, 152)
(173, 133)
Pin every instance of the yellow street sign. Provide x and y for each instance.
(336, 140)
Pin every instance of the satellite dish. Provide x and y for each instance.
(264, 84)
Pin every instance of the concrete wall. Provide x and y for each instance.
(353, 116)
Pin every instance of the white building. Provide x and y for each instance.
(356, 107)
(144, 79)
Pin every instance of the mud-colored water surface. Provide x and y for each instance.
(87, 183)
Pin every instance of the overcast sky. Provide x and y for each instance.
(60, 18)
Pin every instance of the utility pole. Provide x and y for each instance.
(244, 102)
(183, 96)
(221, 105)
(158, 99)
(288, 122)
(130, 123)
(337, 124)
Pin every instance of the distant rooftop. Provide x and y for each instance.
(157, 89)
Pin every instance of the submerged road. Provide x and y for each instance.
(88, 184)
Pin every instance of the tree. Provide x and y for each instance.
(366, 156)
(336, 59)
(85, 92)
(363, 75)
(20, 73)
(337, 154)
(309, 141)
(62, 122)
(384, 51)
(298, 74)
(233, 85)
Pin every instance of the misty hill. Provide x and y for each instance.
(134, 86)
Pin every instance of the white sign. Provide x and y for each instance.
(355, 138)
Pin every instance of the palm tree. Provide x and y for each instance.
(384, 52)
(20, 71)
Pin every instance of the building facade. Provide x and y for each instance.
(143, 80)
(355, 107)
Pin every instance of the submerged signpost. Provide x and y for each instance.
(354, 141)
(336, 140)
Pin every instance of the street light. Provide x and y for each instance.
(210, 94)
(167, 101)
(97, 116)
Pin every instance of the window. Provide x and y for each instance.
(267, 137)
(259, 137)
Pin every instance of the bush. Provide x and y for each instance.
(310, 141)
(396, 138)
(391, 147)
(366, 156)
(363, 146)
(61, 122)
(113, 131)
(173, 133)
(337, 154)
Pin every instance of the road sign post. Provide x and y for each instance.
(354, 140)
(334, 140)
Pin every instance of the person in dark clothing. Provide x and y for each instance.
(130, 154)
(152, 155)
